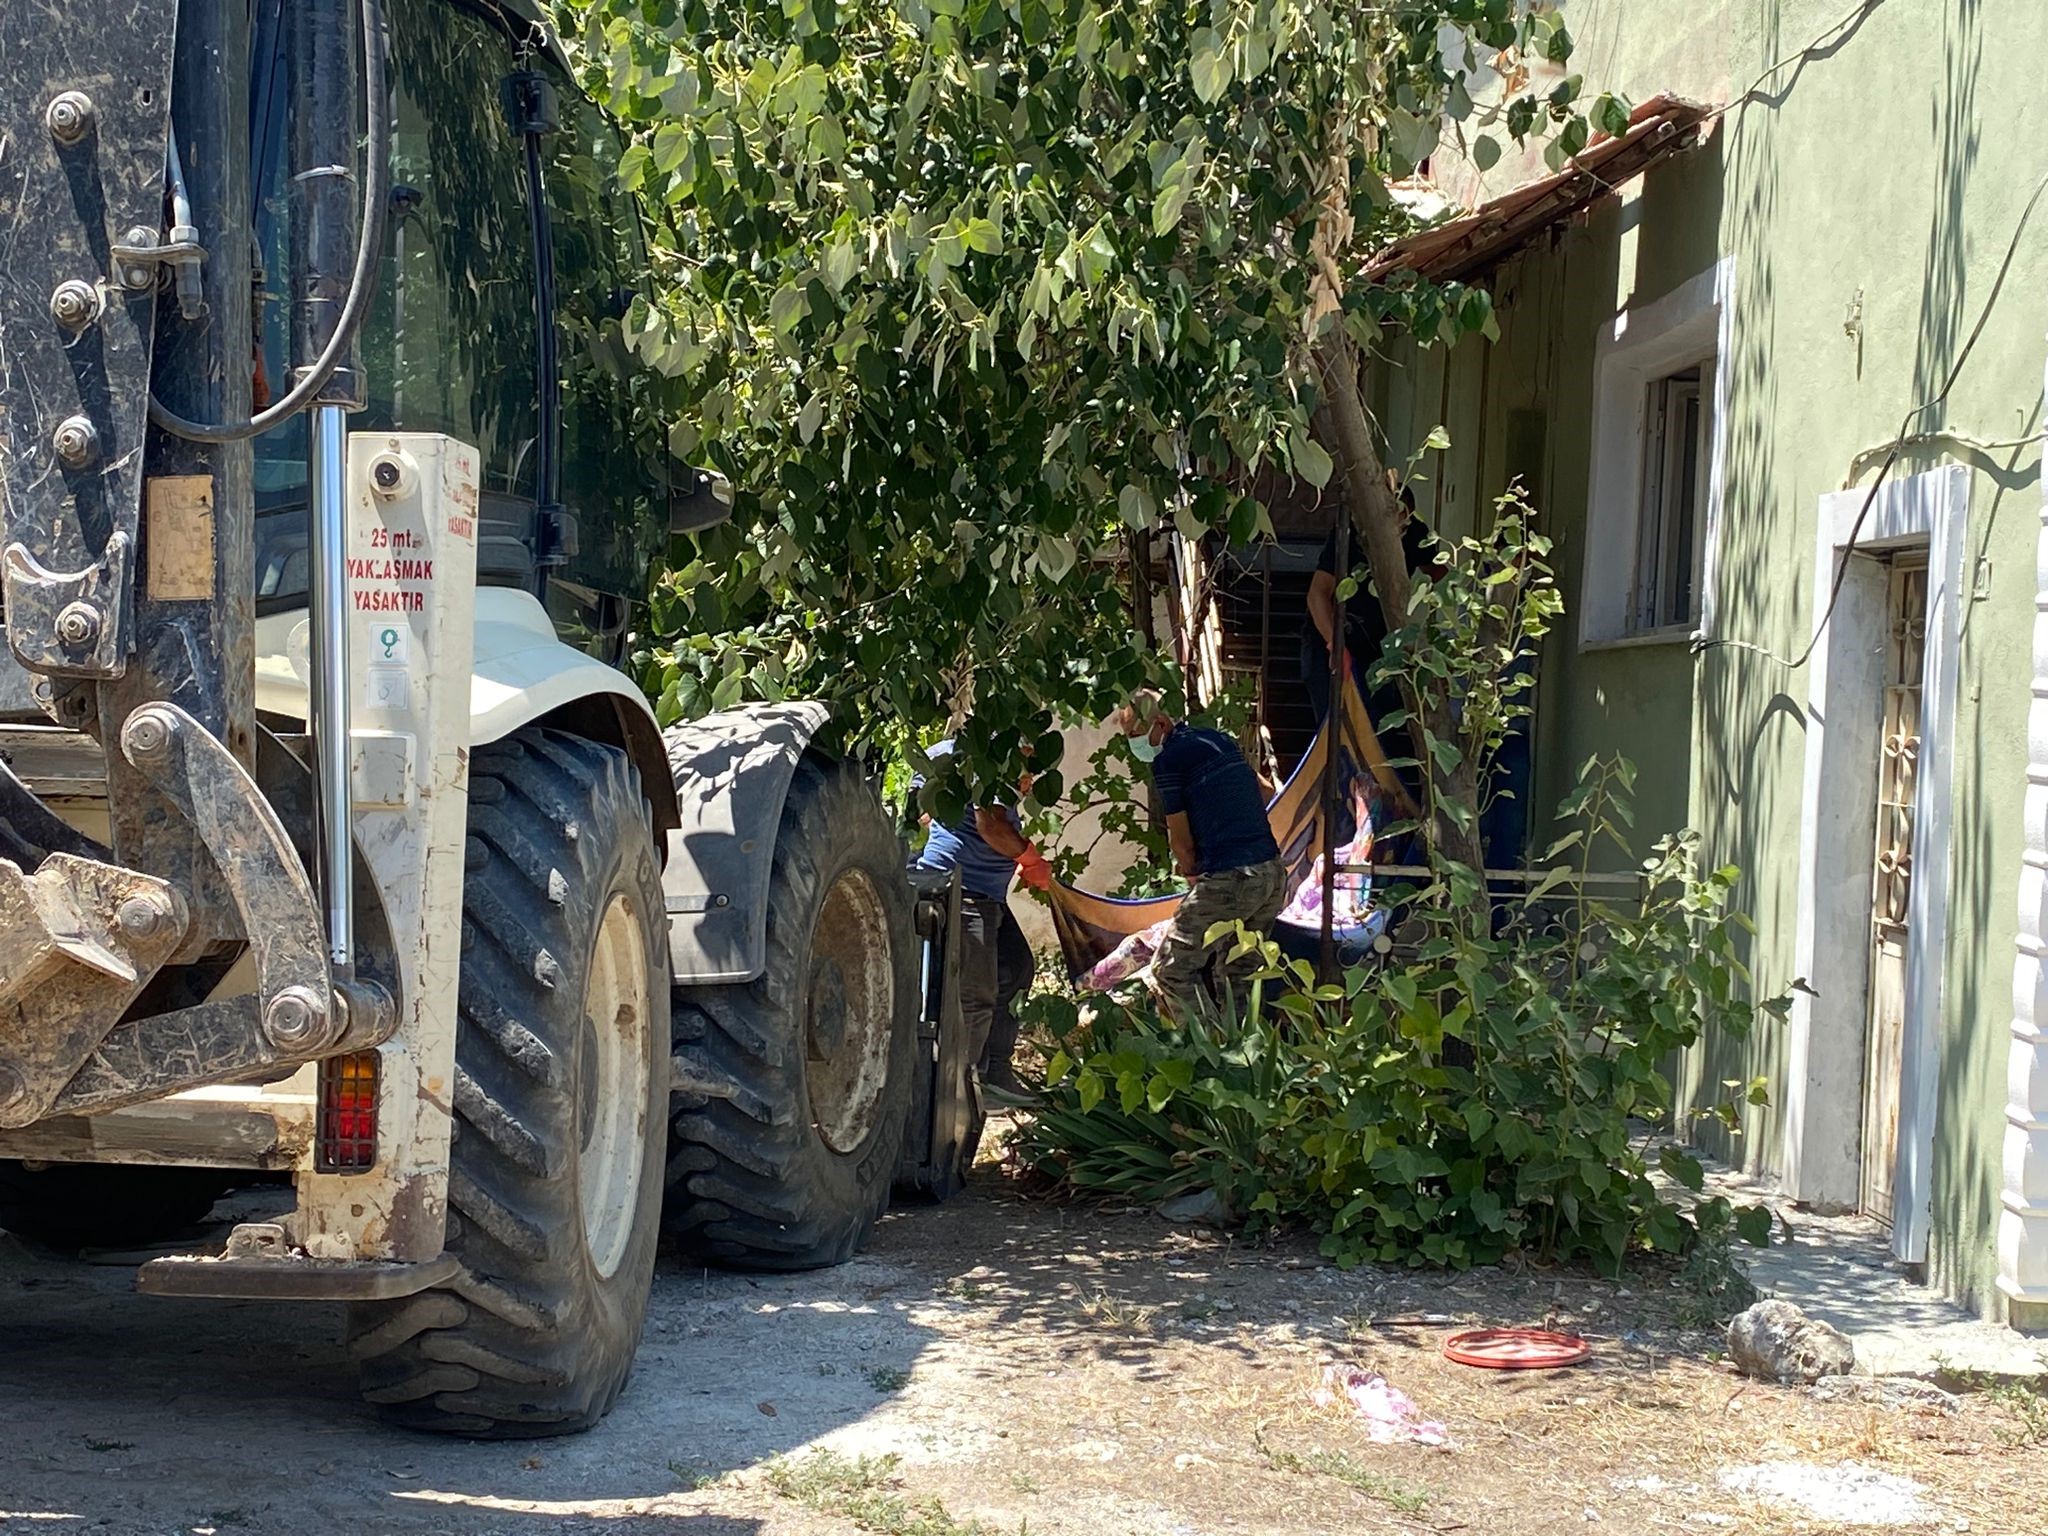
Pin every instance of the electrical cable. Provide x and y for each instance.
(1961, 440)
(1827, 35)
(362, 281)
(1900, 439)
(1856, 16)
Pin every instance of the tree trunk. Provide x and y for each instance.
(1376, 515)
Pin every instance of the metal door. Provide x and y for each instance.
(1892, 885)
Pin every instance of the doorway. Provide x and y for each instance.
(1863, 1047)
(1891, 903)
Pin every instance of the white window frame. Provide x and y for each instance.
(1639, 349)
(1664, 455)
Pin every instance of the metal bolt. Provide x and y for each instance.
(294, 1018)
(385, 473)
(12, 1089)
(137, 275)
(75, 441)
(141, 916)
(78, 625)
(146, 733)
(75, 304)
(69, 117)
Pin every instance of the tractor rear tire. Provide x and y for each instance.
(560, 1109)
(105, 1205)
(793, 1090)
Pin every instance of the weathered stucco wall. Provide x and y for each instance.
(1866, 193)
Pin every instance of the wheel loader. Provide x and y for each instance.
(336, 850)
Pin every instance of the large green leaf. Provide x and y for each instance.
(1208, 64)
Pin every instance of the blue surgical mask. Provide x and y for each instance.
(1144, 748)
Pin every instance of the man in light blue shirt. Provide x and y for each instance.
(988, 847)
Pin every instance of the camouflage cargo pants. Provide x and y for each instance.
(1252, 896)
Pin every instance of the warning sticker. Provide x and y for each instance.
(392, 579)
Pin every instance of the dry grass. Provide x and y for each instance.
(1113, 1312)
(1349, 1469)
(1146, 1367)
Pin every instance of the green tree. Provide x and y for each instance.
(965, 293)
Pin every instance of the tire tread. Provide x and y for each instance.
(510, 1347)
(750, 1182)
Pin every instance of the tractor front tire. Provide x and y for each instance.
(792, 1092)
(560, 1109)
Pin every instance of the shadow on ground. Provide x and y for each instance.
(993, 1365)
(132, 1413)
(148, 1414)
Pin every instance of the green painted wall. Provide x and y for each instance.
(1537, 381)
(1891, 164)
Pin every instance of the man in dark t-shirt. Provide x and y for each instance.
(1222, 843)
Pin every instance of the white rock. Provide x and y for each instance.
(1775, 1341)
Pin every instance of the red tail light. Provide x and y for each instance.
(347, 1139)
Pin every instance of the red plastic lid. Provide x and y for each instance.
(1516, 1349)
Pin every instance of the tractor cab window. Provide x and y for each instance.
(612, 485)
(448, 344)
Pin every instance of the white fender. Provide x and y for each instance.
(521, 671)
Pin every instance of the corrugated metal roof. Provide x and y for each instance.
(1473, 242)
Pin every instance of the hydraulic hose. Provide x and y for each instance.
(362, 280)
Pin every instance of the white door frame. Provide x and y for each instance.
(1822, 1098)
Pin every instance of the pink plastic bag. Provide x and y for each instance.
(1390, 1414)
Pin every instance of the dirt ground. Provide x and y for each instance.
(995, 1367)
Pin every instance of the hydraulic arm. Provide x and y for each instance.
(127, 562)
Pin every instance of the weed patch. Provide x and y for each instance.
(860, 1489)
(2027, 1407)
(1712, 1285)
(2023, 1403)
(1407, 1498)
(695, 1478)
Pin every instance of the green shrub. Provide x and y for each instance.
(1471, 1097)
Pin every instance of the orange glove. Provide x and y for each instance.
(1033, 870)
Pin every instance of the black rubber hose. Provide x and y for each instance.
(362, 281)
